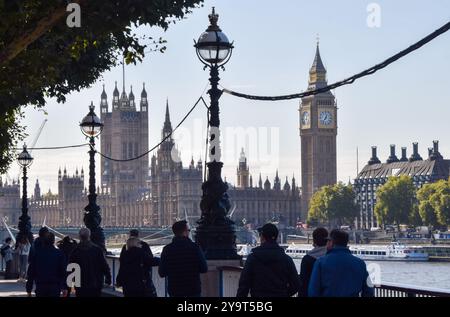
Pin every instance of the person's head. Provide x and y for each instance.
(320, 237)
(84, 234)
(268, 233)
(133, 242)
(49, 239)
(134, 233)
(338, 238)
(8, 240)
(43, 231)
(181, 229)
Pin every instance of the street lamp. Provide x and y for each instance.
(215, 232)
(25, 160)
(91, 126)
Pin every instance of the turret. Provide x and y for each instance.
(260, 183)
(277, 182)
(144, 100)
(103, 101)
(115, 97)
(286, 186)
(267, 184)
(131, 98)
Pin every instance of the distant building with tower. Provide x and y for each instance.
(375, 174)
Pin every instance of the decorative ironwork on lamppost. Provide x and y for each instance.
(215, 232)
(91, 126)
(25, 160)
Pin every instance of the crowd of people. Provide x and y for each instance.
(328, 270)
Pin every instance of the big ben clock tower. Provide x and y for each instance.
(318, 131)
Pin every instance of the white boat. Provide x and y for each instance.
(392, 252)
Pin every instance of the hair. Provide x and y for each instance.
(179, 227)
(133, 243)
(339, 237)
(8, 240)
(49, 239)
(134, 233)
(320, 236)
(85, 234)
(43, 231)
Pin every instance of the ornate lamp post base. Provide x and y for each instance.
(215, 233)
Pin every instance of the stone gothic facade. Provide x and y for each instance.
(136, 193)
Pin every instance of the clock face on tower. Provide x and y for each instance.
(326, 118)
(305, 118)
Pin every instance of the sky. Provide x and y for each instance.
(275, 43)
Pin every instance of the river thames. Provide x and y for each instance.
(427, 274)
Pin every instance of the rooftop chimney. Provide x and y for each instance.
(374, 159)
(430, 152)
(415, 156)
(392, 158)
(404, 158)
(435, 155)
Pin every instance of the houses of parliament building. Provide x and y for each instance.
(157, 190)
(137, 193)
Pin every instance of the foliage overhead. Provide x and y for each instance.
(41, 57)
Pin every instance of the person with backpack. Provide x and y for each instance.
(7, 255)
(268, 271)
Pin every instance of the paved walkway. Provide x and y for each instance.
(12, 288)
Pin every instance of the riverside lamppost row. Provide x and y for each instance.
(91, 126)
(25, 160)
(215, 232)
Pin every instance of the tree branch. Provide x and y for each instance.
(22, 42)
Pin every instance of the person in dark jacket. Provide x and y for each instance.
(268, 271)
(320, 238)
(67, 245)
(133, 271)
(150, 290)
(38, 242)
(95, 271)
(339, 273)
(182, 262)
(47, 269)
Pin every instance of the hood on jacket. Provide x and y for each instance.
(132, 255)
(318, 252)
(269, 253)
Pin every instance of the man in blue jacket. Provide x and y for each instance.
(182, 261)
(339, 273)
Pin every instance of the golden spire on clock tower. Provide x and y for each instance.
(317, 72)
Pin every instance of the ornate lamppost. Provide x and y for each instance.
(91, 126)
(25, 160)
(215, 232)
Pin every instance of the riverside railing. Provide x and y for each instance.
(229, 282)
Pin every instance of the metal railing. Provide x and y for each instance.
(229, 282)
